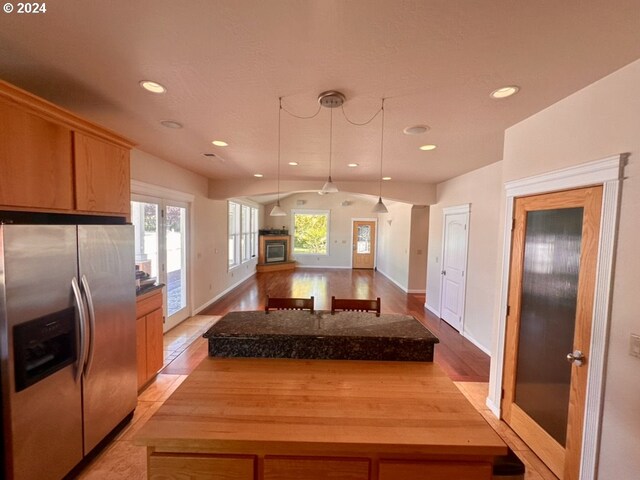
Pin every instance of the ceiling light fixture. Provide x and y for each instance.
(277, 211)
(380, 207)
(386, 178)
(504, 92)
(416, 130)
(171, 124)
(220, 143)
(258, 175)
(331, 100)
(153, 87)
(427, 148)
(293, 164)
(352, 165)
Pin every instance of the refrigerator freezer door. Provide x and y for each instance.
(44, 427)
(106, 259)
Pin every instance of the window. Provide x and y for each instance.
(310, 232)
(243, 233)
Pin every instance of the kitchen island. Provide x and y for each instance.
(321, 335)
(286, 419)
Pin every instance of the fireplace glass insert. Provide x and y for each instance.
(275, 251)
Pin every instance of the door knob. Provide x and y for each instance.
(577, 358)
(443, 272)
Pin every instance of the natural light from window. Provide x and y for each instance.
(310, 232)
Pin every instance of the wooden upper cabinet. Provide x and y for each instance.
(35, 161)
(102, 182)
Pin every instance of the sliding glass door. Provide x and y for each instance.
(161, 233)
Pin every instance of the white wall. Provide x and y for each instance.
(418, 248)
(594, 123)
(208, 262)
(482, 189)
(340, 223)
(394, 243)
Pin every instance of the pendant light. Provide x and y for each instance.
(380, 207)
(330, 100)
(277, 211)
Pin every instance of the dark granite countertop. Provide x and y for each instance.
(300, 334)
(148, 288)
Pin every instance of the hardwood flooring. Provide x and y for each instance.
(457, 356)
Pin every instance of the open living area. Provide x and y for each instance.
(312, 240)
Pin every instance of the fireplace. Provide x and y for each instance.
(275, 251)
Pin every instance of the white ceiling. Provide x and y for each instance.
(225, 63)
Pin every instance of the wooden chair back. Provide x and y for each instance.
(355, 304)
(275, 303)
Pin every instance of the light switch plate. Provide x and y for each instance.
(634, 347)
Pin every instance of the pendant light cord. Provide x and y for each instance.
(381, 148)
(279, 136)
(330, 139)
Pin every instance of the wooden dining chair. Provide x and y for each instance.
(355, 304)
(274, 303)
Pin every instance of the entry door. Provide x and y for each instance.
(364, 243)
(551, 290)
(454, 266)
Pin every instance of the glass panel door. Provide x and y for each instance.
(176, 261)
(145, 219)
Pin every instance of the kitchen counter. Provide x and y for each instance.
(292, 419)
(149, 288)
(300, 334)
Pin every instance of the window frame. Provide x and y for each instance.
(302, 211)
(242, 239)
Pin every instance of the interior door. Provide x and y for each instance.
(454, 265)
(364, 243)
(551, 290)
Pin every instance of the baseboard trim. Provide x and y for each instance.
(494, 408)
(301, 265)
(221, 294)
(476, 343)
(432, 310)
(393, 280)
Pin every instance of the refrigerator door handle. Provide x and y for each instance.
(82, 322)
(92, 324)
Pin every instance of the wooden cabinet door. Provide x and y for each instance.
(200, 467)
(395, 470)
(102, 177)
(35, 156)
(141, 350)
(318, 468)
(155, 348)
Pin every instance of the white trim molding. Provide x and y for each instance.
(608, 172)
(433, 310)
(394, 281)
(142, 188)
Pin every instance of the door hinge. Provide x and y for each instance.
(508, 309)
(162, 212)
(513, 223)
(502, 394)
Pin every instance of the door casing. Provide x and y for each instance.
(375, 256)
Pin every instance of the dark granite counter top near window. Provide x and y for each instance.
(148, 288)
(300, 334)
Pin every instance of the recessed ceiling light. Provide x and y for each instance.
(352, 165)
(416, 130)
(220, 143)
(171, 124)
(293, 164)
(386, 178)
(426, 148)
(153, 87)
(505, 92)
(258, 175)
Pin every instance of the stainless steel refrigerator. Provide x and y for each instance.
(67, 342)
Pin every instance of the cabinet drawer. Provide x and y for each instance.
(148, 303)
(316, 468)
(201, 467)
(394, 470)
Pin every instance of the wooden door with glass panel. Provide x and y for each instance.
(549, 315)
(364, 243)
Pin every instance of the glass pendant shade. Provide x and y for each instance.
(277, 210)
(329, 186)
(380, 207)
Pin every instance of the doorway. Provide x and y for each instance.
(453, 280)
(549, 319)
(161, 239)
(364, 244)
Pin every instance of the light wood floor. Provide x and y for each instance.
(463, 362)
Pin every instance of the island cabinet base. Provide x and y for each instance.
(165, 466)
(290, 419)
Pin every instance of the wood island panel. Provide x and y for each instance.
(357, 412)
(201, 467)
